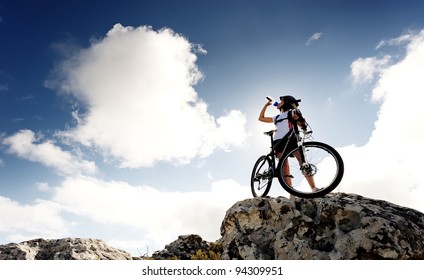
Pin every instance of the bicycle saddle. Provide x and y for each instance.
(269, 133)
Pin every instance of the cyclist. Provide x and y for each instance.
(286, 106)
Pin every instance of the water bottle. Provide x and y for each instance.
(269, 98)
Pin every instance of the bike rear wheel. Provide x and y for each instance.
(323, 169)
(262, 175)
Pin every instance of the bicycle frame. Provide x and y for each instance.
(299, 140)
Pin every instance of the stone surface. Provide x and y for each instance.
(339, 226)
(62, 249)
(184, 248)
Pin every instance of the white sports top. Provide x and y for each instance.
(282, 125)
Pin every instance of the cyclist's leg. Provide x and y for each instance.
(287, 177)
(286, 174)
(311, 181)
(309, 178)
(277, 151)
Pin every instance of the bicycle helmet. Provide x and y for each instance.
(288, 101)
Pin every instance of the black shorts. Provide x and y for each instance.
(279, 144)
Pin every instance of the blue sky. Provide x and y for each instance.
(136, 121)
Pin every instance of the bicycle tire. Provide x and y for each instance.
(262, 175)
(326, 170)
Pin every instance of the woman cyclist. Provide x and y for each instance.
(287, 106)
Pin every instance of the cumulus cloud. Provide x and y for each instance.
(42, 218)
(313, 38)
(137, 88)
(389, 165)
(162, 215)
(26, 145)
(365, 70)
(136, 104)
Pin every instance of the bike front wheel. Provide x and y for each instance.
(318, 174)
(262, 175)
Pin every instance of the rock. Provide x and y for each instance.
(338, 226)
(62, 249)
(186, 247)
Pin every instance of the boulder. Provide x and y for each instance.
(62, 249)
(338, 226)
(188, 247)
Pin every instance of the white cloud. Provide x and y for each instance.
(389, 166)
(365, 70)
(162, 215)
(43, 186)
(407, 37)
(25, 145)
(313, 38)
(140, 105)
(42, 218)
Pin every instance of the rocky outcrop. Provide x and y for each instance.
(338, 226)
(188, 247)
(62, 249)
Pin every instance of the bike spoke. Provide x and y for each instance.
(319, 175)
(261, 178)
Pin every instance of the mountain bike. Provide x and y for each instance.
(310, 170)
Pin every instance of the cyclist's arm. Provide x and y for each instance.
(262, 117)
